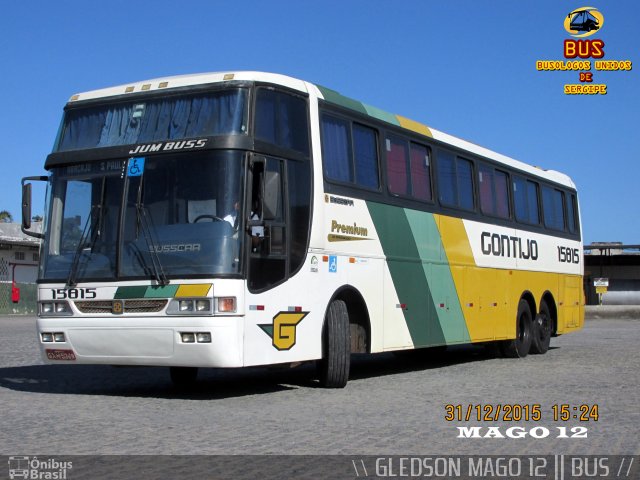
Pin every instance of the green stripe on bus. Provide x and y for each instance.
(334, 97)
(381, 114)
(168, 291)
(130, 292)
(408, 273)
(437, 270)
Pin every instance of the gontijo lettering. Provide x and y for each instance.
(508, 246)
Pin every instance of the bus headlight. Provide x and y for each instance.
(203, 305)
(203, 337)
(188, 337)
(55, 309)
(185, 306)
(190, 306)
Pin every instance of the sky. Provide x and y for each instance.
(465, 67)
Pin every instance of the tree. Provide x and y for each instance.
(6, 216)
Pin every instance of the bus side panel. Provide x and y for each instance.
(427, 300)
(481, 300)
(274, 331)
(571, 312)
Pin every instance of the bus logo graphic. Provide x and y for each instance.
(18, 467)
(583, 22)
(283, 329)
(117, 307)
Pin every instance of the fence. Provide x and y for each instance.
(28, 291)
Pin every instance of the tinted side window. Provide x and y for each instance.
(365, 149)
(501, 181)
(336, 149)
(572, 214)
(485, 186)
(455, 181)
(281, 119)
(553, 208)
(299, 211)
(350, 152)
(465, 183)
(420, 172)
(494, 191)
(525, 194)
(447, 185)
(397, 174)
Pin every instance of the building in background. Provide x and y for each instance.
(19, 255)
(615, 267)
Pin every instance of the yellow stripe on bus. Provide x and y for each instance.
(196, 290)
(414, 126)
(489, 296)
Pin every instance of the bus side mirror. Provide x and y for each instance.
(272, 194)
(26, 206)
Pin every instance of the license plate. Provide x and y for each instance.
(60, 354)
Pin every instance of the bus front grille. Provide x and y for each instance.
(130, 306)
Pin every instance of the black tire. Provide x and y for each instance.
(183, 376)
(519, 346)
(541, 335)
(336, 347)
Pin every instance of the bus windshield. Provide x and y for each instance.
(196, 115)
(174, 216)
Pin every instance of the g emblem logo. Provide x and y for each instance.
(283, 329)
(117, 307)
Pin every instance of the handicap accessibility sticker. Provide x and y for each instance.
(135, 167)
(333, 264)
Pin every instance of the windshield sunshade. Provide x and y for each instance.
(187, 116)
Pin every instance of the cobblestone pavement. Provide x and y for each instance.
(390, 406)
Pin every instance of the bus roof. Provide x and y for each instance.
(331, 96)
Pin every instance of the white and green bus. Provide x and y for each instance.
(243, 218)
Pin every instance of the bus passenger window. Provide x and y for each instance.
(281, 119)
(572, 214)
(494, 191)
(525, 195)
(366, 156)
(420, 172)
(335, 149)
(553, 208)
(455, 181)
(397, 174)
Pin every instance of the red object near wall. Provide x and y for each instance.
(15, 294)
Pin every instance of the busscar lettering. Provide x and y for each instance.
(176, 248)
(508, 246)
(168, 146)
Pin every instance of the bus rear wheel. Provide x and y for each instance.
(519, 346)
(183, 376)
(336, 347)
(541, 330)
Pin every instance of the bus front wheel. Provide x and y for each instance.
(519, 346)
(336, 347)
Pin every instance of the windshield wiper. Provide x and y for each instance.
(143, 223)
(89, 226)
